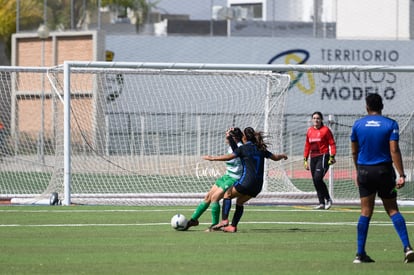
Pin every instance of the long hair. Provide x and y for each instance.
(256, 138)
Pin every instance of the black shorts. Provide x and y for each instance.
(378, 179)
(251, 190)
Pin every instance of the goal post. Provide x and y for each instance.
(164, 118)
(134, 133)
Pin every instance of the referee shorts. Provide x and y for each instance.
(379, 179)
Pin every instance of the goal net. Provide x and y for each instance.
(134, 134)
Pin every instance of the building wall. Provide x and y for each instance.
(373, 19)
(26, 99)
(60, 46)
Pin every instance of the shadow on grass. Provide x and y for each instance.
(289, 230)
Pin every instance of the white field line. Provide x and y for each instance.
(373, 223)
(301, 209)
(246, 209)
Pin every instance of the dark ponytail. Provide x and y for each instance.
(255, 137)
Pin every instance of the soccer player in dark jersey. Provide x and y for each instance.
(375, 149)
(252, 154)
(320, 146)
(234, 171)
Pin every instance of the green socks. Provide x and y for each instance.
(215, 212)
(200, 210)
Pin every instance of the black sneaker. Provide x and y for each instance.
(364, 258)
(408, 255)
(190, 223)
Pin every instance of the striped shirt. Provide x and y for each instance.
(234, 167)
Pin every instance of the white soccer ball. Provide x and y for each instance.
(179, 222)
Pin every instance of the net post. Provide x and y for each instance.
(66, 135)
(331, 122)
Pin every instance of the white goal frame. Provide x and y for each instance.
(68, 65)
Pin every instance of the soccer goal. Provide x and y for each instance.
(134, 133)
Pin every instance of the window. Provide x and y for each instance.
(249, 11)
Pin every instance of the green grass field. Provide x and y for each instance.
(140, 240)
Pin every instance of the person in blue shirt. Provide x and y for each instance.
(252, 154)
(376, 155)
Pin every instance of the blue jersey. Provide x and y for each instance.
(373, 134)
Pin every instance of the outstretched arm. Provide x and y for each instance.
(278, 157)
(220, 158)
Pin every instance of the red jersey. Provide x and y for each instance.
(319, 142)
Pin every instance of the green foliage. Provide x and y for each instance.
(30, 14)
(60, 14)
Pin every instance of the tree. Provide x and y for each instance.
(30, 14)
(68, 14)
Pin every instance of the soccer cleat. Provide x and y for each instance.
(328, 204)
(408, 255)
(364, 258)
(220, 225)
(319, 207)
(212, 228)
(230, 229)
(190, 223)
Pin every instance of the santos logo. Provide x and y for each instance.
(352, 86)
(297, 56)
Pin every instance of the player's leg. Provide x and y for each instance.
(225, 211)
(367, 206)
(391, 207)
(367, 192)
(224, 184)
(215, 206)
(317, 178)
(241, 199)
(226, 205)
(325, 190)
(201, 208)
